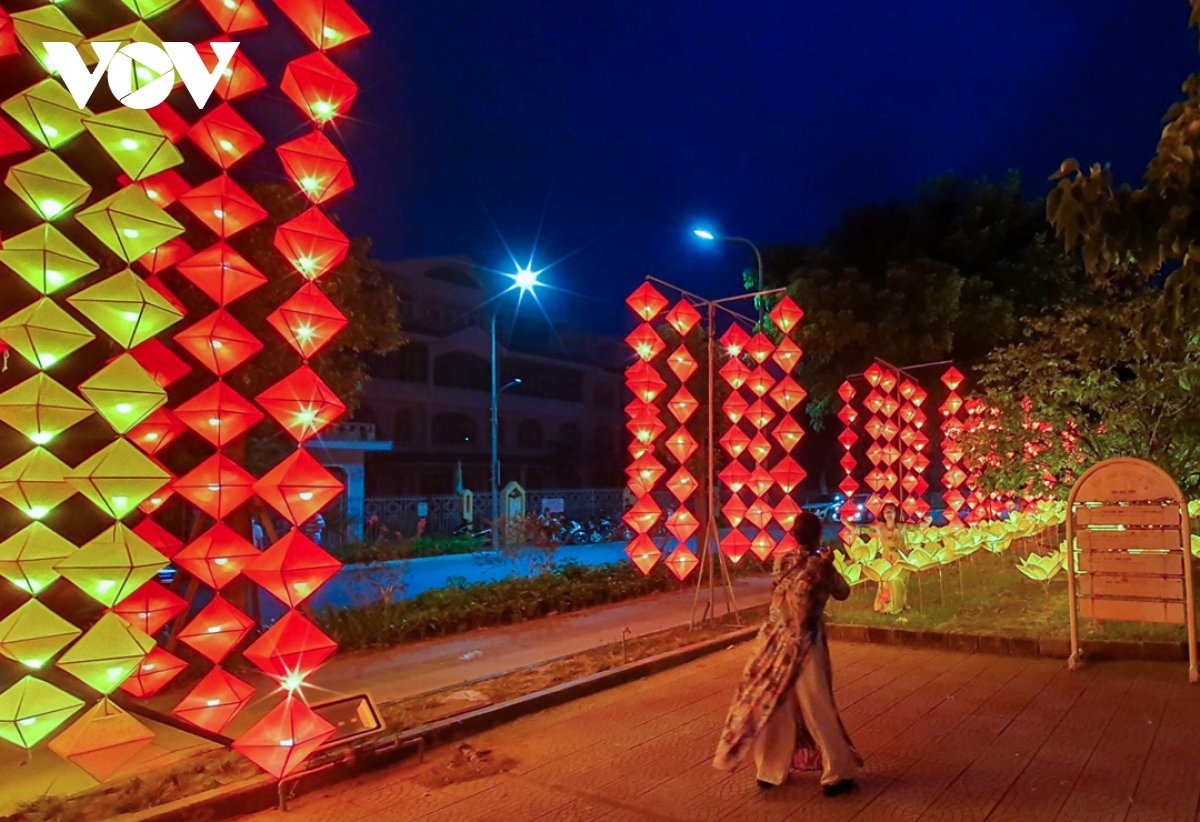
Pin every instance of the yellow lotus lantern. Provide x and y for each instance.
(134, 141)
(28, 557)
(48, 112)
(129, 223)
(47, 185)
(127, 308)
(118, 478)
(107, 654)
(45, 259)
(112, 566)
(35, 483)
(1043, 569)
(41, 409)
(43, 333)
(123, 392)
(33, 634)
(31, 710)
(102, 741)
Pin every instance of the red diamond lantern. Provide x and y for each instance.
(683, 317)
(682, 524)
(220, 342)
(735, 407)
(758, 514)
(735, 373)
(156, 670)
(224, 136)
(217, 556)
(735, 476)
(291, 649)
(788, 394)
(150, 607)
(159, 538)
(760, 348)
(216, 630)
(298, 488)
(233, 16)
(682, 445)
(682, 485)
(735, 545)
(157, 431)
(292, 569)
(311, 243)
(223, 206)
(735, 511)
(760, 481)
(681, 562)
(683, 405)
(160, 362)
(318, 87)
(953, 378)
(218, 486)
(307, 320)
(644, 473)
(762, 545)
(787, 355)
(735, 441)
(642, 516)
(302, 403)
(644, 381)
(786, 315)
(643, 552)
(682, 364)
(215, 701)
(645, 342)
(788, 474)
(219, 414)
(316, 167)
(734, 340)
(326, 23)
(785, 513)
(285, 738)
(239, 78)
(221, 273)
(846, 392)
(162, 257)
(646, 302)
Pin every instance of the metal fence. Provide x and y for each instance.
(445, 512)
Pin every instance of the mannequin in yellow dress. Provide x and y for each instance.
(892, 597)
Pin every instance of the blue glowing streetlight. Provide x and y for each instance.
(704, 234)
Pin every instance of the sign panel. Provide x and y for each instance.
(1171, 613)
(1128, 515)
(1141, 587)
(1147, 539)
(1123, 563)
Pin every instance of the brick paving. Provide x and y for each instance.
(947, 736)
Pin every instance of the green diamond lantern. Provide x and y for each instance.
(134, 141)
(107, 654)
(129, 223)
(41, 409)
(48, 185)
(117, 479)
(123, 392)
(126, 308)
(28, 557)
(45, 258)
(146, 9)
(43, 333)
(31, 710)
(33, 634)
(48, 112)
(112, 566)
(35, 483)
(37, 26)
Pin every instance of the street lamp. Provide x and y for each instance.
(719, 238)
(526, 280)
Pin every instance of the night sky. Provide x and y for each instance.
(627, 123)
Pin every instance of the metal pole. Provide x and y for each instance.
(495, 445)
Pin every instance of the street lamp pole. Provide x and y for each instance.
(495, 444)
(720, 238)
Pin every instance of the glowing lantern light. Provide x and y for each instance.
(107, 654)
(233, 16)
(682, 364)
(43, 333)
(788, 474)
(112, 566)
(735, 407)
(735, 476)
(644, 473)
(153, 674)
(760, 382)
(219, 414)
(102, 741)
(45, 258)
(118, 478)
(298, 488)
(682, 524)
(158, 538)
(123, 393)
(762, 545)
(952, 378)
(163, 189)
(28, 557)
(224, 136)
(311, 243)
(240, 76)
(226, 209)
(760, 447)
(785, 513)
(759, 514)
(645, 342)
(760, 415)
(157, 431)
(33, 634)
(35, 483)
(735, 511)
(786, 315)
(646, 302)
(172, 125)
(217, 556)
(129, 223)
(643, 552)
(134, 142)
(218, 486)
(326, 23)
(847, 415)
(788, 394)
(735, 545)
(318, 87)
(48, 186)
(786, 545)
(285, 738)
(41, 409)
(644, 381)
(214, 701)
(874, 375)
(219, 342)
(683, 317)
(734, 340)
(683, 405)
(126, 309)
(646, 427)
(307, 320)
(682, 485)
(760, 481)
(735, 441)
(10, 141)
(162, 364)
(681, 562)
(150, 607)
(643, 515)
(787, 355)
(47, 112)
(216, 630)
(32, 709)
(292, 648)
(760, 348)
(682, 445)
(302, 403)
(292, 569)
(316, 167)
(735, 372)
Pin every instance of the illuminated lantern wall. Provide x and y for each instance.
(755, 431)
(79, 271)
(954, 477)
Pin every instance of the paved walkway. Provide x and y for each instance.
(946, 736)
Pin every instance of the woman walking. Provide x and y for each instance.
(784, 705)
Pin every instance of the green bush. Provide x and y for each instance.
(365, 553)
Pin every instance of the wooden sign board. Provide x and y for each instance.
(1130, 540)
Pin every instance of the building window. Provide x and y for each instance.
(403, 425)
(529, 434)
(461, 369)
(454, 429)
(408, 364)
(570, 435)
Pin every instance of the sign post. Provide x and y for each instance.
(1129, 541)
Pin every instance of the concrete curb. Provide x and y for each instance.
(262, 793)
(1050, 647)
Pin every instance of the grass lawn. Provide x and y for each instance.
(996, 599)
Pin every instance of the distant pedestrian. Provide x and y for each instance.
(784, 707)
(257, 535)
(314, 528)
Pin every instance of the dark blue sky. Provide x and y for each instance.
(628, 122)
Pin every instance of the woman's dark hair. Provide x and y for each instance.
(807, 530)
(895, 510)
